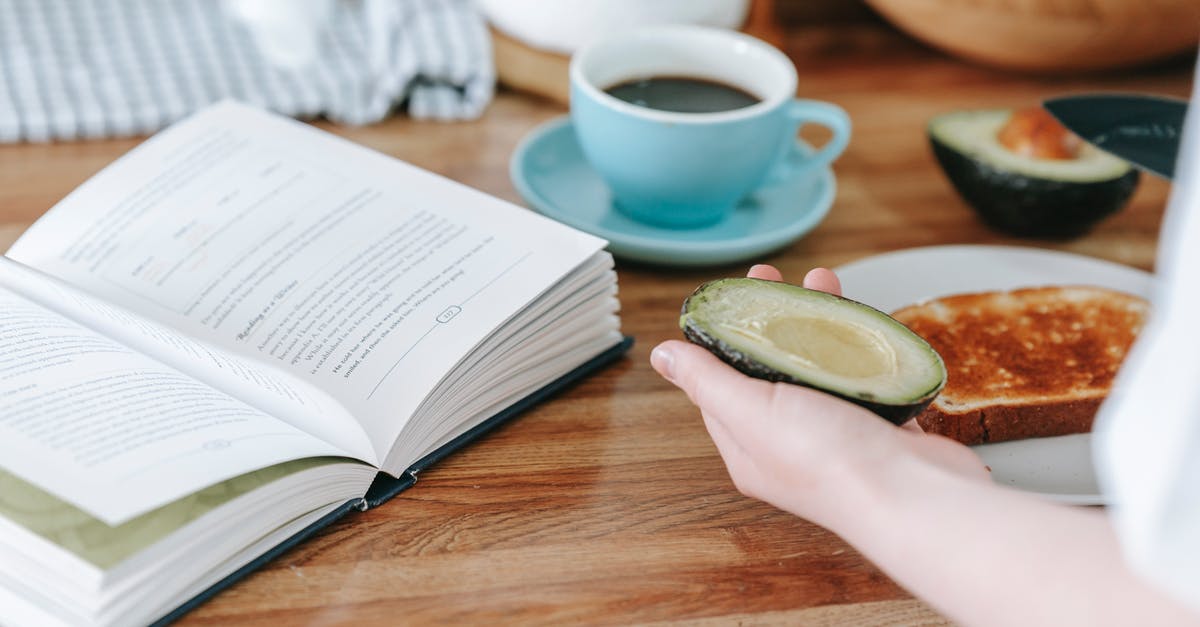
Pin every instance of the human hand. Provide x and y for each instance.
(797, 448)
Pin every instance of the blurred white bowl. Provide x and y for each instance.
(565, 25)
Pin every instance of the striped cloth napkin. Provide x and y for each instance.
(100, 68)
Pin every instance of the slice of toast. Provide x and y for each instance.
(1027, 363)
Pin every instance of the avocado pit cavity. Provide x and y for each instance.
(838, 347)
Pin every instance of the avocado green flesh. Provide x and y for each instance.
(1026, 196)
(781, 332)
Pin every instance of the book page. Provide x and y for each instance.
(275, 393)
(115, 432)
(359, 273)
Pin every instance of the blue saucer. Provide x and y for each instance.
(550, 172)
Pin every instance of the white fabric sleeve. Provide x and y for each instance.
(1147, 436)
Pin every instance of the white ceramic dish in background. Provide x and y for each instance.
(1060, 468)
(565, 25)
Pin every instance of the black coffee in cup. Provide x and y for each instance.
(682, 94)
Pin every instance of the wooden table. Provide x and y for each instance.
(609, 504)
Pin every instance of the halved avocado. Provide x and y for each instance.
(1026, 175)
(782, 332)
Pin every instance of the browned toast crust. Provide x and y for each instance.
(1033, 362)
(1012, 422)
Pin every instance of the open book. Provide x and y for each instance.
(220, 342)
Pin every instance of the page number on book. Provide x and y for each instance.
(448, 314)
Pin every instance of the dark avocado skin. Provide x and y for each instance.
(1029, 206)
(746, 364)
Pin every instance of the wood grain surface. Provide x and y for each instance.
(609, 504)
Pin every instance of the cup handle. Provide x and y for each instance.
(795, 159)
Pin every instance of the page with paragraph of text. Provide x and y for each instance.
(282, 244)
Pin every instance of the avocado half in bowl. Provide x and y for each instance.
(785, 333)
(1026, 175)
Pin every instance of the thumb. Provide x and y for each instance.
(715, 387)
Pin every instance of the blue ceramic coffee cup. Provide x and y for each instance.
(682, 170)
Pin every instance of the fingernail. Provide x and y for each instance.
(663, 361)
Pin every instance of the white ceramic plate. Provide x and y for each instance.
(1060, 468)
